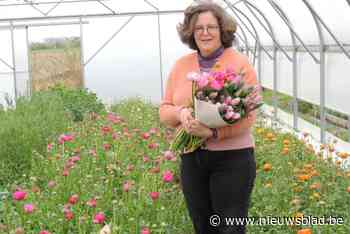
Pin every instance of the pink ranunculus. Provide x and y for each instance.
(99, 218)
(127, 186)
(145, 136)
(235, 101)
(145, 158)
(51, 184)
(29, 208)
(145, 230)
(65, 138)
(153, 130)
(19, 195)
(73, 199)
(92, 202)
(154, 195)
(229, 115)
(167, 176)
(228, 100)
(168, 155)
(237, 116)
(153, 145)
(49, 147)
(193, 76)
(68, 214)
(44, 232)
(217, 85)
(203, 81)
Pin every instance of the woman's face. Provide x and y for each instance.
(207, 33)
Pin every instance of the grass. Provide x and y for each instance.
(119, 158)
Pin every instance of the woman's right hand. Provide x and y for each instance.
(186, 117)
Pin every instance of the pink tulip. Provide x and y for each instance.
(19, 195)
(167, 176)
(28, 208)
(154, 195)
(99, 218)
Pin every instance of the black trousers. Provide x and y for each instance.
(217, 183)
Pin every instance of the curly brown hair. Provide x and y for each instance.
(227, 24)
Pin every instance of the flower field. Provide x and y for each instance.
(115, 169)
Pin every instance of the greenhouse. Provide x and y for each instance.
(123, 52)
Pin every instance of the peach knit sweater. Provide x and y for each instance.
(178, 95)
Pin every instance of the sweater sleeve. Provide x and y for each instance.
(246, 122)
(169, 113)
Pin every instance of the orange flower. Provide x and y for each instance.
(303, 177)
(267, 167)
(305, 231)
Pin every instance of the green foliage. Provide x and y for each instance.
(79, 102)
(25, 129)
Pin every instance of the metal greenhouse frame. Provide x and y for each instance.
(244, 11)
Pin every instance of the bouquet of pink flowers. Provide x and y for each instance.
(221, 98)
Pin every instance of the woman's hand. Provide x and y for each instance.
(186, 117)
(196, 128)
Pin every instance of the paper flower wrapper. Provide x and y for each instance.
(208, 113)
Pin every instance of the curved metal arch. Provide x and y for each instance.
(256, 36)
(273, 3)
(322, 70)
(269, 31)
(286, 19)
(348, 2)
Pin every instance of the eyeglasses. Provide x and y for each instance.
(211, 29)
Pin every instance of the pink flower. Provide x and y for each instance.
(91, 202)
(154, 195)
(153, 130)
(19, 195)
(65, 172)
(145, 159)
(73, 199)
(153, 145)
(49, 147)
(237, 116)
(68, 214)
(145, 230)
(203, 81)
(168, 155)
(193, 76)
(65, 138)
(235, 101)
(106, 146)
(130, 167)
(217, 85)
(99, 218)
(44, 232)
(229, 115)
(51, 184)
(28, 208)
(146, 136)
(127, 186)
(167, 176)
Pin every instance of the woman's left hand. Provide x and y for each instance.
(196, 128)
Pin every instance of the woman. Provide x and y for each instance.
(217, 179)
